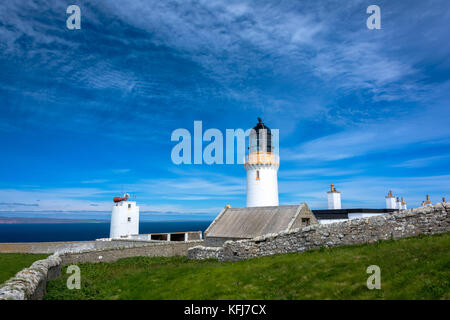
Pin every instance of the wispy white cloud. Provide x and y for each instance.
(82, 200)
(121, 170)
(201, 187)
(316, 172)
(95, 181)
(371, 138)
(233, 42)
(63, 199)
(215, 33)
(421, 162)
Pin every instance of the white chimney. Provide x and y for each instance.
(334, 198)
(403, 207)
(428, 202)
(398, 204)
(390, 201)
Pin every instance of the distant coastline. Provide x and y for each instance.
(18, 220)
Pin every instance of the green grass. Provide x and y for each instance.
(414, 268)
(11, 263)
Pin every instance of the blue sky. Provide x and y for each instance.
(88, 113)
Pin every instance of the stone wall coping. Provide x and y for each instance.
(140, 245)
(206, 248)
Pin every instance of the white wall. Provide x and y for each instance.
(351, 216)
(362, 215)
(327, 221)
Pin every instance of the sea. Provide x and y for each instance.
(46, 232)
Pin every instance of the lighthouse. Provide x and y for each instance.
(261, 164)
(124, 218)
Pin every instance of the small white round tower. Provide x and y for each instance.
(261, 164)
(124, 218)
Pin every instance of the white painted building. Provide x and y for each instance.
(124, 218)
(334, 198)
(262, 165)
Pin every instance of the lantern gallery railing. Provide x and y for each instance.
(262, 157)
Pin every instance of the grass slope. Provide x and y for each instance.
(414, 268)
(11, 263)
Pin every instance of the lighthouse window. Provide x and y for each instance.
(129, 205)
(129, 219)
(257, 174)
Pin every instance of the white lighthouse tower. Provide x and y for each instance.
(261, 164)
(124, 218)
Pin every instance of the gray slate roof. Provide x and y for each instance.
(245, 223)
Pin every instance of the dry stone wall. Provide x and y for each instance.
(69, 246)
(160, 249)
(423, 220)
(30, 283)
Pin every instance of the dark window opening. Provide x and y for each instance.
(257, 174)
(177, 237)
(159, 237)
(129, 219)
(305, 221)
